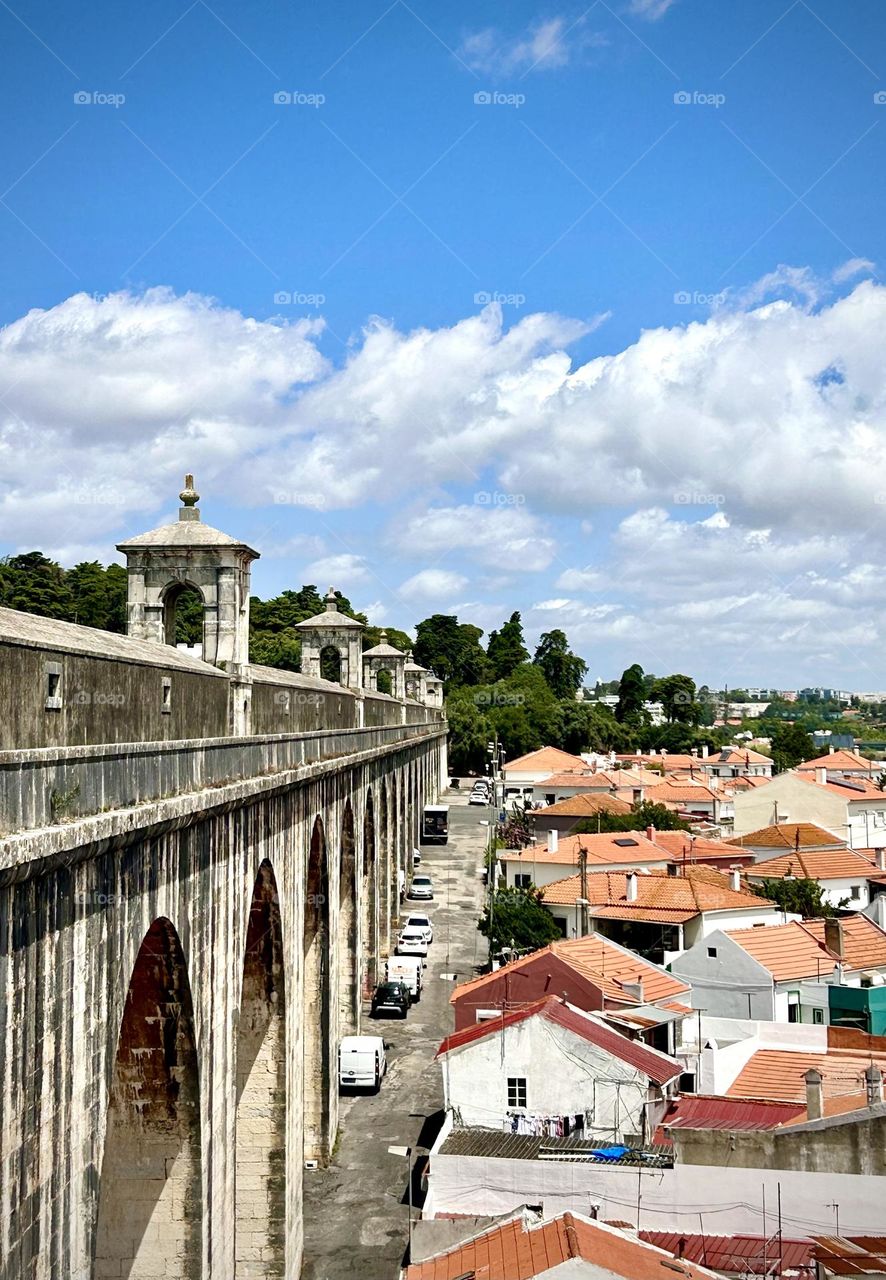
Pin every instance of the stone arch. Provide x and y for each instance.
(260, 1194)
(316, 999)
(384, 680)
(349, 960)
(369, 897)
(172, 597)
(150, 1212)
(384, 874)
(396, 861)
(332, 662)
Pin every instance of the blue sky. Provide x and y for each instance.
(571, 309)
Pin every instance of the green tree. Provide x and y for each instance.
(35, 584)
(643, 815)
(563, 669)
(799, 897)
(506, 650)
(468, 733)
(677, 696)
(586, 726)
(631, 696)
(518, 918)
(790, 745)
(99, 595)
(451, 650)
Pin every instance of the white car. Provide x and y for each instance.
(478, 797)
(424, 924)
(412, 942)
(421, 887)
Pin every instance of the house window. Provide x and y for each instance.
(712, 952)
(550, 798)
(516, 1091)
(166, 695)
(53, 686)
(523, 881)
(855, 891)
(818, 1017)
(793, 1013)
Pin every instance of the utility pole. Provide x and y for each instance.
(583, 873)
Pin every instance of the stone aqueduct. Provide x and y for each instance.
(188, 924)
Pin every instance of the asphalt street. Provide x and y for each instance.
(356, 1210)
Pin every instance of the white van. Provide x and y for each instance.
(406, 969)
(361, 1062)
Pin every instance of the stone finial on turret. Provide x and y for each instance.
(331, 600)
(189, 499)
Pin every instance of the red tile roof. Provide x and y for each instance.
(600, 961)
(797, 950)
(815, 864)
(806, 835)
(841, 761)
(517, 1251)
(603, 850)
(736, 1255)
(685, 793)
(778, 1073)
(660, 897)
(548, 758)
(657, 1066)
(584, 805)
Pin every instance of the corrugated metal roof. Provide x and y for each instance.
(656, 1066)
(735, 1254)
(711, 1111)
(497, 1145)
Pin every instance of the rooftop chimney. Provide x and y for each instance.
(833, 937)
(814, 1095)
(553, 841)
(881, 859)
(704, 751)
(821, 775)
(735, 878)
(830, 751)
(873, 1083)
(650, 833)
(631, 886)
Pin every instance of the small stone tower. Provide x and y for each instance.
(189, 554)
(384, 657)
(416, 689)
(332, 629)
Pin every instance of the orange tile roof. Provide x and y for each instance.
(864, 942)
(548, 758)
(739, 755)
(602, 850)
(849, 788)
(805, 834)
(815, 864)
(584, 805)
(682, 844)
(841, 760)
(835, 1106)
(659, 896)
(743, 783)
(603, 962)
(792, 951)
(670, 792)
(519, 1251)
(778, 1073)
(582, 780)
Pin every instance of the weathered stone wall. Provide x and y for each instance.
(835, 1145)
(105, 700)
(379, 708)
(286, 702)
(81, 912)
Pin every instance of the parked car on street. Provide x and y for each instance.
(391, 997)
(421, 922)
(361, 1062)
(478, 797)
(408, 970)
(422, 887)
(411, 942)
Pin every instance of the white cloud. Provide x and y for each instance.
(652, 10)
(553, 42)
(337, 571)
(433, 584)
(496, 537)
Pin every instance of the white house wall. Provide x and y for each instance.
(730, 1200)
(564, 1075)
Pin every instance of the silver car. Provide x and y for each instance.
(421, 887)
